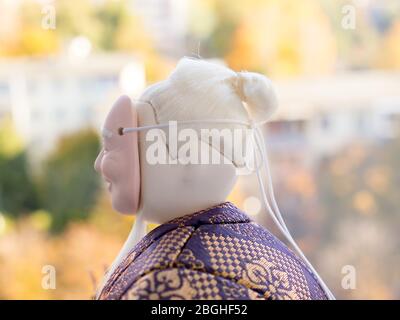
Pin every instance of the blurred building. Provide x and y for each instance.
(166, 22)
(48, 98)
(326, 114)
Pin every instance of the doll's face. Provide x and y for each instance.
(117, 161)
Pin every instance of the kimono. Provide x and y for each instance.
(214, 254)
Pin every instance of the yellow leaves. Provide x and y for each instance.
(355, 179)
(31, 40)
(10, 142)
(245, 53)
(41, 220)
(3, 224)
(351, 159)
(202, 17)
(80, 251)
(377, 178)
(284, 39)
(364, 202)
(340, 166)
(157, 68)
(22, 258)
(302, 183)
(37, 41)
(391, 48)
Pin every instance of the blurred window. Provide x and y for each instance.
(59, 114)
(326, 122)
(4, 89)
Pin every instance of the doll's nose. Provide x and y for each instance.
(97, 162)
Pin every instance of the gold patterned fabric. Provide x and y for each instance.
(215, 254)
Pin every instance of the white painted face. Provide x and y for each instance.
(118, 160)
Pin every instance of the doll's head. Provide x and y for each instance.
(196, 90)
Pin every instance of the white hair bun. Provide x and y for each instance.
(258, 93)
(200, 89)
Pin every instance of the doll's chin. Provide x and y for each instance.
(122, 206)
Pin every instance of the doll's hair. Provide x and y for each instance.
(199, 89)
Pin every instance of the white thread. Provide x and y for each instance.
(277, 216)
(164, 125)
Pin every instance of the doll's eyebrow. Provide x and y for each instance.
(106, 133)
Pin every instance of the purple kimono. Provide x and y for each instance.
(216, 253)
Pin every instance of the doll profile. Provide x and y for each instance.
(204, 246)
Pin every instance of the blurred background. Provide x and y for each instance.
(334, 144)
